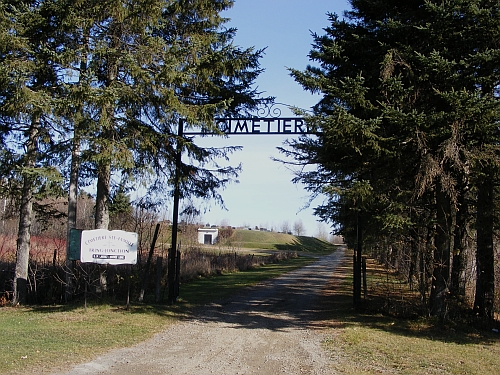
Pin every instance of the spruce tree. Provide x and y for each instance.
(406, 125)
(151, 64)
(115, 80)
(29, 83)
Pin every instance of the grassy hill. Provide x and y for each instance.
(253, 239)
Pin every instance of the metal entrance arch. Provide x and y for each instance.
(265, 125)
(258, 126)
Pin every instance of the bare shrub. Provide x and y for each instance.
(195, 263)
(48, 270)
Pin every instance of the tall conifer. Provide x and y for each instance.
(29, 84)
(408, 111)
(115, 79)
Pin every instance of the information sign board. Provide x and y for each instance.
(108, 247)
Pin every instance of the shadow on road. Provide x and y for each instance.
(292, 300)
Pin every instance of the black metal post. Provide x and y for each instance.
(128, 271)
(159, 269)
(358, 261)
(365, 287)
(354, 278)
(175, 220)
(177, 274)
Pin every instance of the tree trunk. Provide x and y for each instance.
(442, 242)
(460, 250)
(102, 212)
(426, 264)
(485, 260)
(73, 178)
(72, 211)
(102, 198)
(25, 217)
(358, 260)
(108, 123)
(104, 163)
(414, 252)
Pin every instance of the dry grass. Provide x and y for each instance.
(384, 338)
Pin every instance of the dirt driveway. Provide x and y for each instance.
(268, 329)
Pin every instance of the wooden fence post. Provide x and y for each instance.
(148, 264)
(159, 273)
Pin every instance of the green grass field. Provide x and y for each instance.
(254, 239)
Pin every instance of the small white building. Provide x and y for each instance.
(208, 236)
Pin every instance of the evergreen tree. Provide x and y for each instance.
(120, 210)
(407, 114)
(28, 85)
(115, 79)
(149, 64)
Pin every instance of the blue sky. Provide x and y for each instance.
(265, 196)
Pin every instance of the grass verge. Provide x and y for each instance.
(367, 341)
(41, 339)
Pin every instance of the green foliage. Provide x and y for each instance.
(27, 84)
(408, 108)
(117, 78)
(99, 89)
(120, 203)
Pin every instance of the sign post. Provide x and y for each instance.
(104, 246)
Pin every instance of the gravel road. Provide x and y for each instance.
(268, 329)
